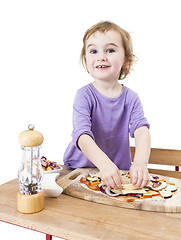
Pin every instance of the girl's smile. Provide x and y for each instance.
(102, 66)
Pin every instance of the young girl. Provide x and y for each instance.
(105, 112)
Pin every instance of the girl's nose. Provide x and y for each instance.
(102, 57)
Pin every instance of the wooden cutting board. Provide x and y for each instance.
(70, 184)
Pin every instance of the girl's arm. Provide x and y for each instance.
(139, 171)
(110, 174)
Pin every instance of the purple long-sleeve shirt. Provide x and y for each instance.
(109, 121)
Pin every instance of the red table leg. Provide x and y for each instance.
(176, 168)
(48, 237)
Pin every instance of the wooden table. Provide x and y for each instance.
(72, 218)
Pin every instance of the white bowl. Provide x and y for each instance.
(49, 185)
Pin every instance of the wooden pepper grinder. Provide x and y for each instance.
(30, 198)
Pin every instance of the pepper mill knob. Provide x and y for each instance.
(31, 137)
(31, 127)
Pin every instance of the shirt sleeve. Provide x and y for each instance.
(137, 118)
(81, 116)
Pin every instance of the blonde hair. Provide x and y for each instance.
(105, 26)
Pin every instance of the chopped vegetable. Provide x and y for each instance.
(117, 191)
(89, 184)
(153, 193)
(166, 194)
(93, 179)
(128, 175)
(157, 186)
(171, 188)
(130, 199)
(103, 188)
(109, 193)
(137, 195)
(96, 183)
(170, 183)
(147, 195)
(48, 165)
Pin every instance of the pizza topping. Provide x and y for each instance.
(156, 187)
(130, 199)
(171, 188)
(92, 185)
(170, 183)
(153, 193)
(128, 174)
(147, 195)
(83, 179)
(166, 194)
(138, 191)
(110, 193)
(95, 188)
(129, 186)
(156, 184)
(103, 188)
(117, 191)
(93, 179)
(136, 195)
(156, 178)
(95, 183)
(125, 180)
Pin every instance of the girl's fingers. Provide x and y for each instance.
(139, 179)
(134, 178)
(113, 182)
(146, 179)
(139, 176)
(143, 179)
(118, 181)
(109, 182)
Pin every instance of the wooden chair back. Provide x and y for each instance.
(162, 158)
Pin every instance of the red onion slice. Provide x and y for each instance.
(109, 193)
(103, 188)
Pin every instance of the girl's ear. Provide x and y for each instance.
(125, 64)
(124, 69)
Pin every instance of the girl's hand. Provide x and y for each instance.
(139, 175)
(110, 175)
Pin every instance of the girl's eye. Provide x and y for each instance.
(93, 51)
(110, 50)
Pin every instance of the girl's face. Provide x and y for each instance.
(105, 55)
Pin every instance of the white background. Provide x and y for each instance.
(40, 44)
